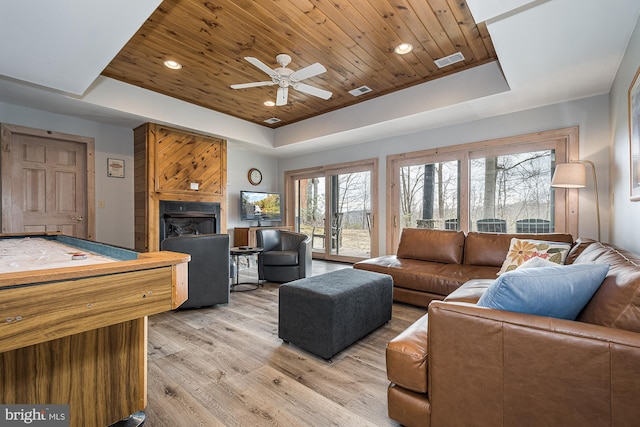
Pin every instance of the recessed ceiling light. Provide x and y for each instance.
(403, 48)
(174, 65)
(269, 103)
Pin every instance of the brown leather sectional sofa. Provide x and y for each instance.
(465, 365)
(430, 264)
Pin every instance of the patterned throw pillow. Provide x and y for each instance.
(522, 250)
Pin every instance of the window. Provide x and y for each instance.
(429, 195)
(506, 192)
(500, 186)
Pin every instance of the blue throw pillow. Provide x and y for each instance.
(561, 291)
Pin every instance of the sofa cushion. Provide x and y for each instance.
(433, 277)
(491, 248)
(616, 304)
(431, 245)
(578, 247)
(521, 250)
(561, 291)
(470, 292)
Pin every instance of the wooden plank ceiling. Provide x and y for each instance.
(353, 39)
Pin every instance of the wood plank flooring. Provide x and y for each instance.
(226, 366)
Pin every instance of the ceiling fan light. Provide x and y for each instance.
(403, 48)
(269, 103)
(174, 65)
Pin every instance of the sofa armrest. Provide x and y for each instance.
(406, 357)
(509, 368)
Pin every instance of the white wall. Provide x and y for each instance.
(624, 230)
(114, 222)
(590, 114)
(239, 161)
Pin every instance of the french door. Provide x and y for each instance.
(335, 205)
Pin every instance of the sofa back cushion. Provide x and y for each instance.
(616, 304)
(578, 247)
(491, 248)
(431, 245)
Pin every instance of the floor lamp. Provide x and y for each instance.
(573, 175)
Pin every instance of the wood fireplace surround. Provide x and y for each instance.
(175, 165)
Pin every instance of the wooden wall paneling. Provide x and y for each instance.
(167, 161)
(183, 158)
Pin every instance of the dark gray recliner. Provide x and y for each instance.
(209, 268)
(286, 255)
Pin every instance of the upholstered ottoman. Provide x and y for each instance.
(327, 313)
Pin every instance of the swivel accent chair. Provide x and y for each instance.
(286, 255)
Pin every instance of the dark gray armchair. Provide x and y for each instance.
(286, 255)
(209, 268)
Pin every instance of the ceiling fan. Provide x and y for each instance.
(285, 78)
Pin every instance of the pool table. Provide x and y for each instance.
(75, 332)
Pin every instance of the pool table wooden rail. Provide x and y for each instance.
(78, 335)
(66, 301)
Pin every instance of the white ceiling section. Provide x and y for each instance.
(65, 44)
(485, 10)
(550, 51)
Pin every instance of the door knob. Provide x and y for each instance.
(77, 218)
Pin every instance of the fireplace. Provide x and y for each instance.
(178, 218)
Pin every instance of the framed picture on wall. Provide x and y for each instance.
(634, 136)
(115, 168)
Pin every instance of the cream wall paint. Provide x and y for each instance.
(239, 161)
(624, 213)
(114, 222)
(590, 114)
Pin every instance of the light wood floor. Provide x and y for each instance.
(226, 366)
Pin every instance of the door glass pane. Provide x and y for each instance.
(512, 193)
(429, 196)
(350, 215)
(310, 209)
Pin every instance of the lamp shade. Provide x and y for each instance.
(569, 175)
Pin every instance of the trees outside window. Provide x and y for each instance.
(490, 186)
(336, 206)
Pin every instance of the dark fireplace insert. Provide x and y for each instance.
(178, 218)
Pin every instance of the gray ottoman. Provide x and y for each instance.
(327, 313)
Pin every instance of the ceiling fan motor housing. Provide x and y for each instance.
(283, 59)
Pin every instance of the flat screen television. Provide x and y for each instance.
(260, 206)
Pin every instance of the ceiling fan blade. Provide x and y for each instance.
(281, 97)
(306, 72)
(253, 84)
(261, 65)
(312, 90)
